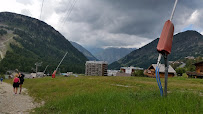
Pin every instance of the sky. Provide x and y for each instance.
(111, 23)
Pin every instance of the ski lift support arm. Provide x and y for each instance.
(164, 47)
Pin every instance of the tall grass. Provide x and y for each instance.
(125, 102)
(94, 94)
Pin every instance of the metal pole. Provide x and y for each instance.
(166, 74)
(37, 64)
(174, 7)
(61, 61)
(36, 69)
(45, 69)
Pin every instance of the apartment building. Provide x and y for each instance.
(96, 68)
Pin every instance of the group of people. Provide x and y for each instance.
(18, 82)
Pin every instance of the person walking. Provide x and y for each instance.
(21, 77)
(16, 82)
(1, 79)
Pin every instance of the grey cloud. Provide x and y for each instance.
(26, 2)
(141, 18)
(26, 12)
(129, 17)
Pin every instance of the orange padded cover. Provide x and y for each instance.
(166, 38)
(54, 74)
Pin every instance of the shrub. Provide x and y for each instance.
(138, 73)
(2, 32)
(180, 71)
(2, 75)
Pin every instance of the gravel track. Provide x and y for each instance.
(11, 103)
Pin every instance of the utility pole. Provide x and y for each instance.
(37, 64)
(45, 69)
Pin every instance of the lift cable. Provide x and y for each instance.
(69, 12)
(41, 9)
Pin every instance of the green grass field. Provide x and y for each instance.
(96, 94)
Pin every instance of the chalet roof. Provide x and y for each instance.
(198, 63)
(162, 68)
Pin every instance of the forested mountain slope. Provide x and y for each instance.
(188, 43)
(28, 40)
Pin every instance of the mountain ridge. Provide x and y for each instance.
(84, 51)
(184, 44)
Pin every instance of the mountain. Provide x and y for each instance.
(84, 51)
(95, 51)
(28, 40)
(188, 43)
(113, 54)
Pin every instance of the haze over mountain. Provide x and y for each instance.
(25, 41)
(112, 54)
(188, 43)
(84, 51)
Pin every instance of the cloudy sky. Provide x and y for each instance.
(111, 23)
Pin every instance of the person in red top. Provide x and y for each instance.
(16, 82)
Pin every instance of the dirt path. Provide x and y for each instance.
(14, 104)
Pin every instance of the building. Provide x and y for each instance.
(67, 74)
(34, 75)
(96, 68)
(151, 71)
(112, 72)
(199, 67)
(127, 71)
(198, 71)
(189, 57)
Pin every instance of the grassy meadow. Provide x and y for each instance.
(96, 94)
